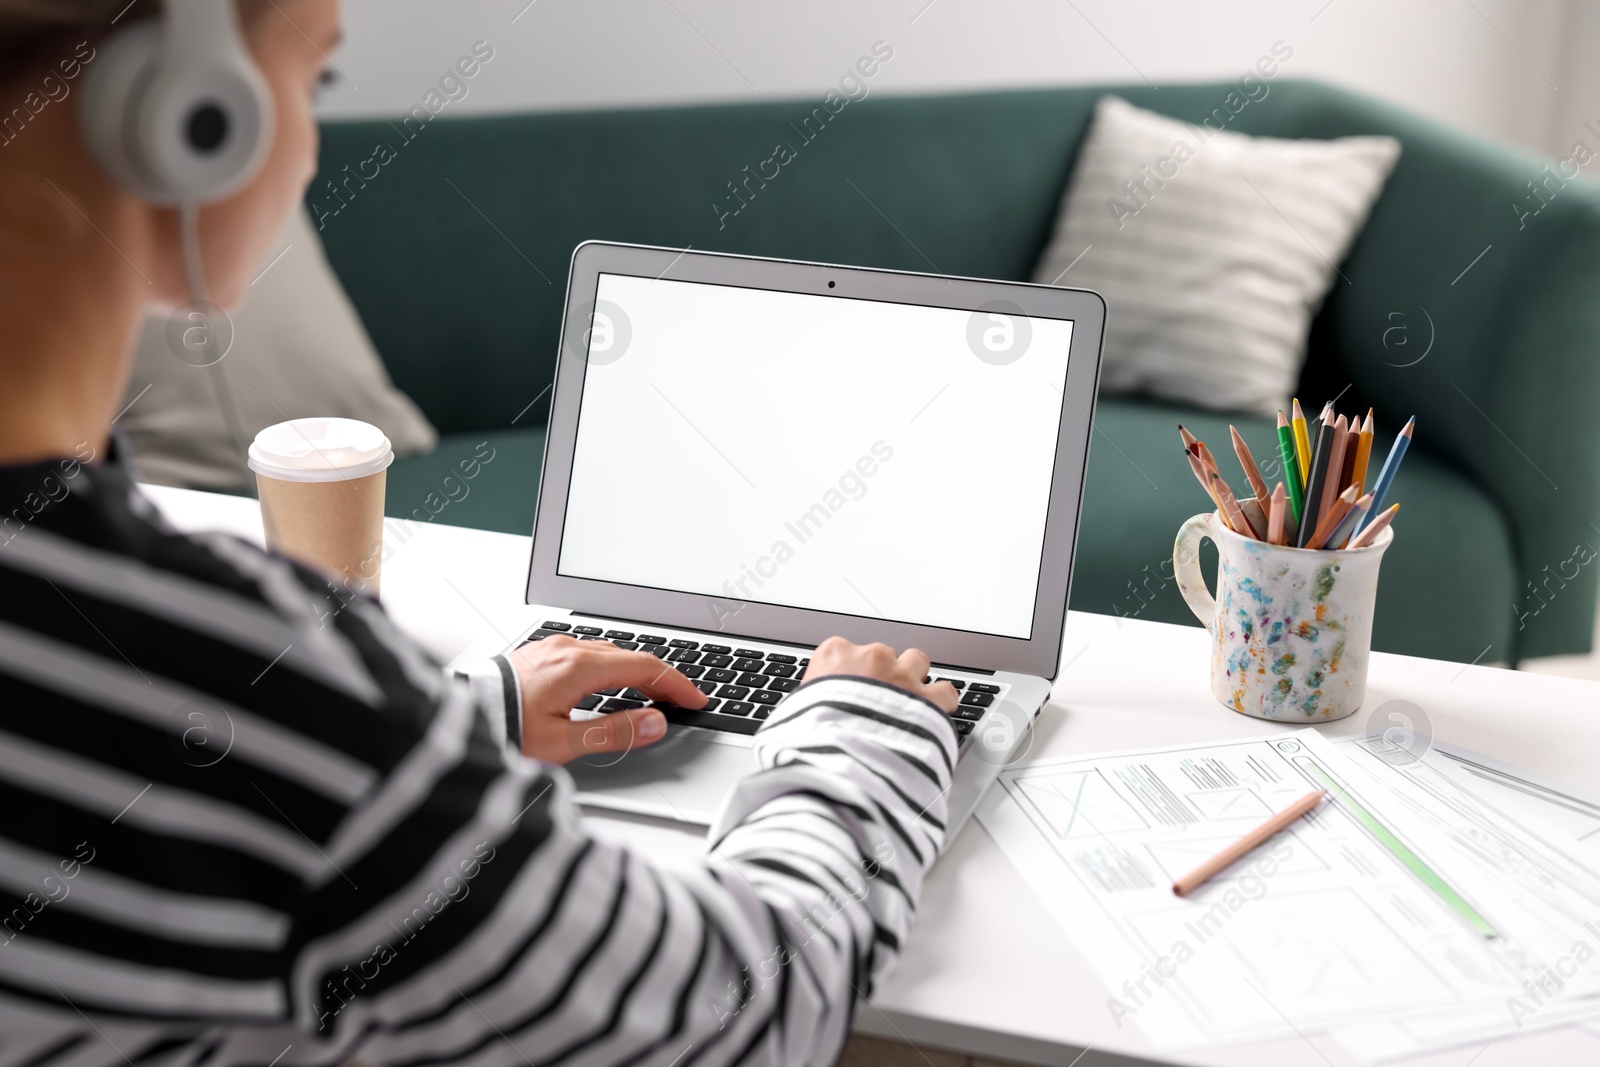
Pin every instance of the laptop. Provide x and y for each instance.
(746, 456)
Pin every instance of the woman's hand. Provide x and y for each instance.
(557, 672)
(838, 656)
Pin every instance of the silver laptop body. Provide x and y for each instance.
(746, 456)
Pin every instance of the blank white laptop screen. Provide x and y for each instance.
(852, 456)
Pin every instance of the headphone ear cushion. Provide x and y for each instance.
(172, 132)
(113, 86)
(204, 127)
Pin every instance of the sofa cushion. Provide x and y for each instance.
(1452, 548)
(1212, 250)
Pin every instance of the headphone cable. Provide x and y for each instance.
(194, 268)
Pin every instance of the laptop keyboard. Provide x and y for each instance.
(742, 681)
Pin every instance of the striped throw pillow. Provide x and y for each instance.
(1213, 250)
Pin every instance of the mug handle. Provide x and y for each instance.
(1186, 566)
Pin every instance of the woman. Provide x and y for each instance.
(365, 872)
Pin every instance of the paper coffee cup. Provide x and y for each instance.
(321, 483)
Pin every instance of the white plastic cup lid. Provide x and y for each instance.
(320, 450)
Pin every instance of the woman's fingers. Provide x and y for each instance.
(944, 695)
(619, 731)
(916, 663)
(560, 672)
(642, 671)
(617, 669)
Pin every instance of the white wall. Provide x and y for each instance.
(1492, 66)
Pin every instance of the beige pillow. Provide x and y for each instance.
(299, 350)
(1213, 250)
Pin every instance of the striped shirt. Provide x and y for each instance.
(246, 822)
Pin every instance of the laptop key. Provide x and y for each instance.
(634, 694)
(783, 685)
(548, 625)
(780, 657)
(737, 707)
(779, 670)
(658, 651)
(733, 692)
(678, 642)
(706, 687)
(754, 681)
(712, 703)
(763, 711)
(747, 653)
(651, 639)
(747, 664)
(717, 674)
(592, 631)
(968, 712)
(619, 635)
(717, 649)
(610, 692)
(590, 637)
(691, 670)
(721, 719)
(684, 655)
(958, 683)
(617, 704)
(982, 687)
(766, 696)
(977, 700)
(715, 659)
(628, 645)
(963, 728)
(588, 702)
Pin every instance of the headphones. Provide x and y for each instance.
(175, 109)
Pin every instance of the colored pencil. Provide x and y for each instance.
(1189, 439)
(1278, 504)
(1315, 484)
(1200, 476)
(1347, 525)
(1230, 505)
(1253, 512)
(1358, 476)
(1338, 441)
(1246, 844)
(1391, 464)
(1251, 473)
(1352, 445)
(1342, 506)
(1291, 465)
(1370, 534)
(1302, 441)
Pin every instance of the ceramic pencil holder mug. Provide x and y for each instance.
(1291, 628)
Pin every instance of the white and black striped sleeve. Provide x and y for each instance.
(562, 948)
(498, 694)
(294, 840)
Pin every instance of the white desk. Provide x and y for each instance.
(986, 971)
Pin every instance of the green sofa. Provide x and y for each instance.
(454, 248)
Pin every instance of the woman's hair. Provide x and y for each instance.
(34, 31)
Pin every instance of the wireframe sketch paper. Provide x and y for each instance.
(1539, 840)
(1367, 908)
